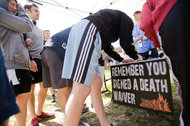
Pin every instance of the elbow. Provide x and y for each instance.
(28, 28)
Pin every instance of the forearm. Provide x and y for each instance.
(135, 39)
(130, 50)
(113, 54)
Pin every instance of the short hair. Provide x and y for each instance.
(46, 30)
(15, 1)
(29, 6)
(137, 12)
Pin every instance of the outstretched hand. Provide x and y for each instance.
(128, 60)
(139, 58)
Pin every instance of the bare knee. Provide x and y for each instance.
(22, 98)
(81, 89)
(42, 87)
(64, 91)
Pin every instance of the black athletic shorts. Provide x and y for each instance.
(20, 80)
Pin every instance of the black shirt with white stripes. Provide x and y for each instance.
(113, 25)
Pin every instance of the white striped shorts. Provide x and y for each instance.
(82, 53)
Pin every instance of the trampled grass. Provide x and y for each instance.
(119, 115)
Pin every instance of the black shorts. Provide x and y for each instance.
(37, 76)
(21, 81)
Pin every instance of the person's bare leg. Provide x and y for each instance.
(75, 103)
(51, 90)
(5, 123)
(62, 96)
(41, 98)
(31, 101)
(97, 101)
(21, 101)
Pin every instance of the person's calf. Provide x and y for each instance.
(63, 95)
(22, 100)
(98, 102)
(75, 103)
(41, 99)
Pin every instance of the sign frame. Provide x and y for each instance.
(144, 84)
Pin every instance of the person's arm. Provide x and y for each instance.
(109, 51)
(126, 39)
(138, 38)
(27, 41)
(33, 66)
(20, 23)
(147, 23)
(136, 34)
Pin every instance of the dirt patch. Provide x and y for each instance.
(121, 115)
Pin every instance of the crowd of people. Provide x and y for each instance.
(69, 61)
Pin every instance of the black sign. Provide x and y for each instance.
(144, 84)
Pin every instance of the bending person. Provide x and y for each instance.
(86, 40)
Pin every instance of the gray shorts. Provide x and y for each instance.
(52, 66)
